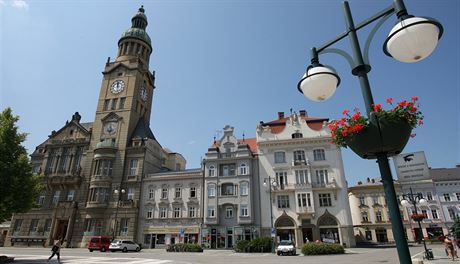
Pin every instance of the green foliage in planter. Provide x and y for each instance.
(322, 249)
(262, 244)
(180, 247)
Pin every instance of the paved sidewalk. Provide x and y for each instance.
(439, 255)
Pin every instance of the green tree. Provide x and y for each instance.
(19, 188)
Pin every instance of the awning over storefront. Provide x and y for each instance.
(172, 230)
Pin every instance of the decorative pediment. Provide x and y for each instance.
(111, 117)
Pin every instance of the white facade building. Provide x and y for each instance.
(447, 185)
(305, 173)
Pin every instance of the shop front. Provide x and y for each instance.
(227, 237)
(160, 237)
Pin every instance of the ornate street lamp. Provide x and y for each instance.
(269, 183)
(412, 199)
(120, 193)
(412, 39)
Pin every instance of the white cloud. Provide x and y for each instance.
(19, 4)
(2, 2)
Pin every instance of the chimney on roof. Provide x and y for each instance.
(280, 115)
(368, 179)
(303, 113)
(360, 182)
(373, 180)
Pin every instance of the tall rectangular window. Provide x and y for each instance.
(164, 193)
(301, 176)
(106, 104)
(321, 177)
(131, 192)
(56, 197)
(302, 200)
(176, 212)
(283, 201)
(41, 198)
(229, 212)
(325, 199)
(64, 161)
(378, 216)
(280, 157)
(192, 192)
(211, 212)
(244, 210)
(150, 213)
(17, 226)
(177, 193)
(458, 196)
(122, 103)
(133, 167)
(151, 193)
(124, 224)
(227, 170)
(244, 188)
(114, 103)
(434, 213)
(163, 212)
(33, 226)
(429, 196)
(47, 227)
(362, 200)
(70, 195)
(446, 197)
(281, 179)
(364, 217)
(211, 190)
(318, 154)
(191, 212)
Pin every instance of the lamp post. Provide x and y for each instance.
(119, 192)
(412, 199)
(411, 39)
(269, 182)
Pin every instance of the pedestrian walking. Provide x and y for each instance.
(56, 250)
(449, 247)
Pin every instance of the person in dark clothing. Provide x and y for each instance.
(56, 250)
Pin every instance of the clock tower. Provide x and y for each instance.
(123, 148)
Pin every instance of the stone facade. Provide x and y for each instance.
(304, 197)
(231, 184)
(370, 213)
(170, 208)
(93, 171)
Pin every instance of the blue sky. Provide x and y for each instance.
(221, 62)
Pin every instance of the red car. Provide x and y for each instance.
(101, 243)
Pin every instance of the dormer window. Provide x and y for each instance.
(297, 135)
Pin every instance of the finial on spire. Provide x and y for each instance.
(243, 137)
(142, 9)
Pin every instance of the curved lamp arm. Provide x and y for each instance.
(371, 36)
(342, 53)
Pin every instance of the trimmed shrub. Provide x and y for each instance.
(180, 247)
(262, 244)
(322, 249)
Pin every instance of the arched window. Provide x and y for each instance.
(243, 169)
(297, 135)
(212, 171)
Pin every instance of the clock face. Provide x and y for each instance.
(117, 86)
(110, 128)
(143, 93)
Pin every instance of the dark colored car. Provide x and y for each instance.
(101, 243)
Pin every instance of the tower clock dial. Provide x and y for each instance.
(110, 128)
(143, 93)
(117, 86)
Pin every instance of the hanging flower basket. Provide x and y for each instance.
(386, 131)
(380, 136)
(418, 217)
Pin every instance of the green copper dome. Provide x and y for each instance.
(137, 30)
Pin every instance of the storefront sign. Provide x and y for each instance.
(173, 230)
(411, 166)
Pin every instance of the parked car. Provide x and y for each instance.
(124, 245)
(285, 247)
(101, 243)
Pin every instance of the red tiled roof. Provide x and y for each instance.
(277, 126)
